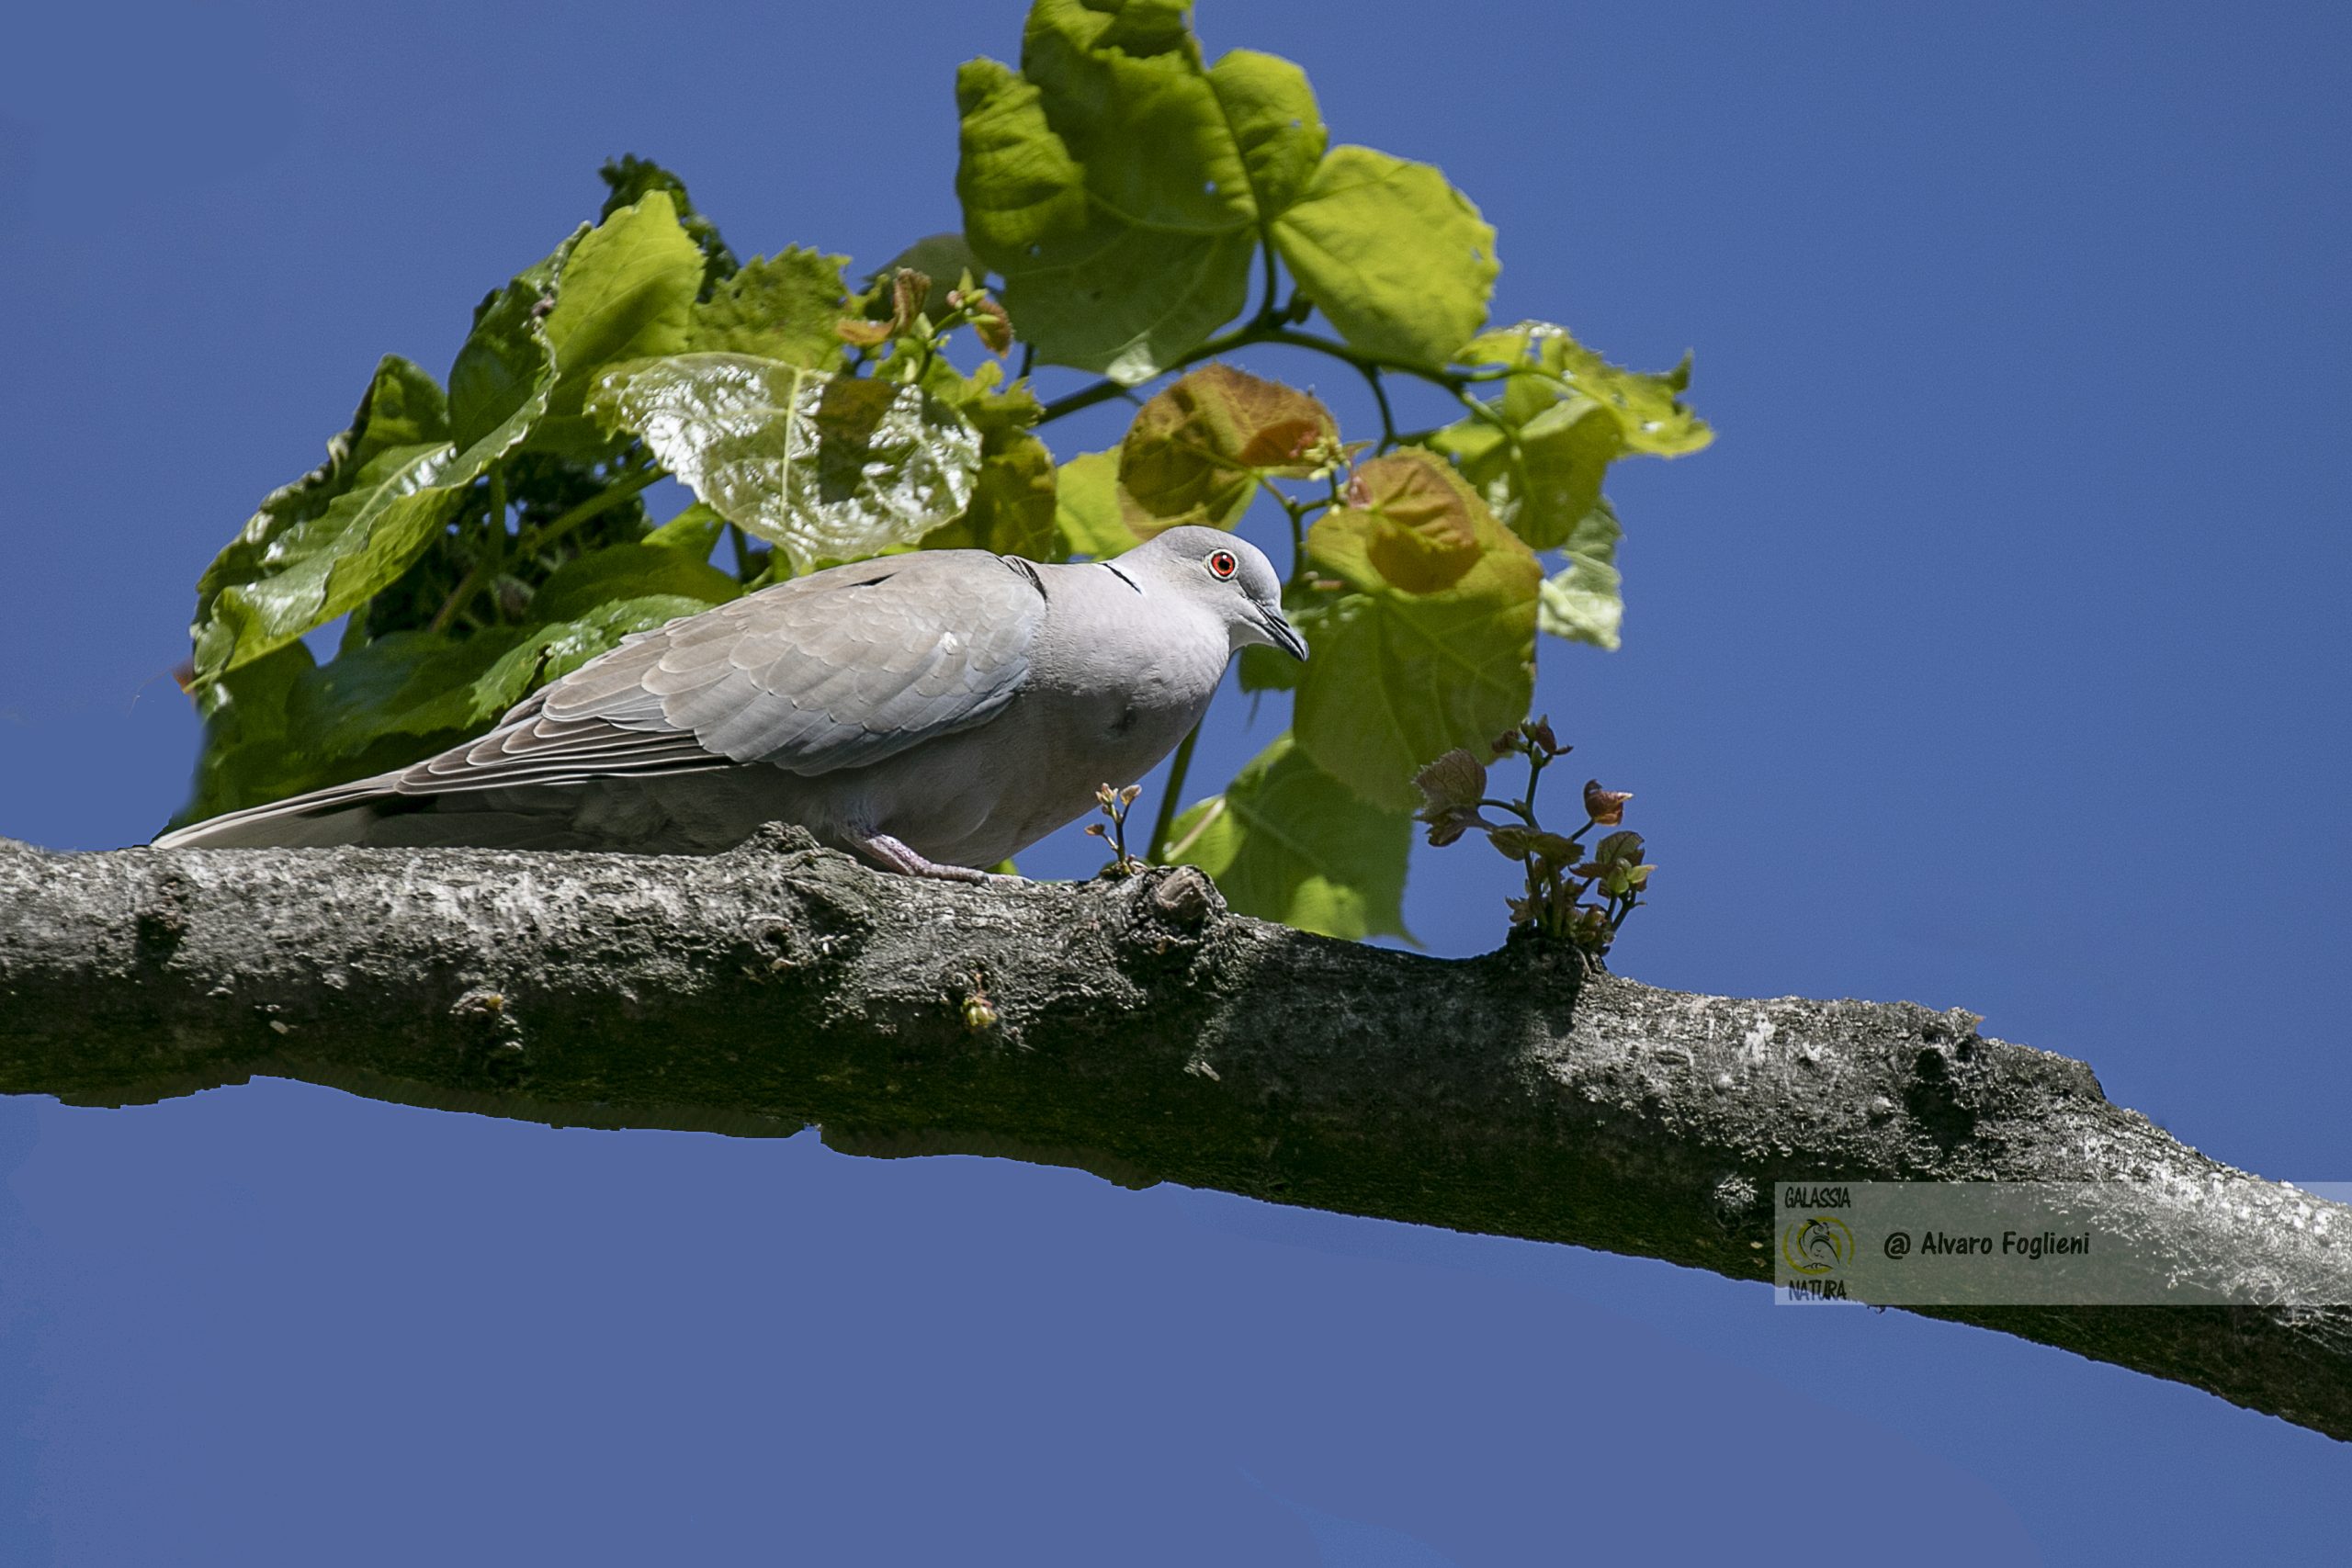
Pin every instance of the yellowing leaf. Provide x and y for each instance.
(1197, 451)
(1287, 842)
(1411, 524)
(1434, 646)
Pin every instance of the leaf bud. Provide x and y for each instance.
(1605, 807)
(993, 325)
(909, 290)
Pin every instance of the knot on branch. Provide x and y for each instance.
(1938, 1097)
(1184, 896)
(162, 924)
(788, 840)
(1167, 909)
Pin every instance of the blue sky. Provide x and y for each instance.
(1994, 657)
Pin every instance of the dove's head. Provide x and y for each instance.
(1226, 575)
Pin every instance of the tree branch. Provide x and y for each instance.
(1139, 1031)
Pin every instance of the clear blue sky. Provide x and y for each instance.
(1995, 657)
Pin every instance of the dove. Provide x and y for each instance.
(931, 712)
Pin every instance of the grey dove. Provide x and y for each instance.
(932, 713)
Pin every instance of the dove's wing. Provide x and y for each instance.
(836, 669)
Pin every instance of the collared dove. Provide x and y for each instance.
(931, 711)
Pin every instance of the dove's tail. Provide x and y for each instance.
(345, 814)
(376, 813)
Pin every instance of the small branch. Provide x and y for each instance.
(1380, 396)
(538, 539)
(1270, 309)
(490, 556)
(1258, 331)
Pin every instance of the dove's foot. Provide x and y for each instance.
(893, 855)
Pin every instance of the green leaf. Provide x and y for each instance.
(1120, 187)
(429, 683)
(1198, 450)
(248, 759)
(822, 466)
(1540, 451)
(1012, 497)
(629, 177)
(1285, 841)
(298, 564)
(403, 407)
(694, 531)
(630, 571)
(1434, 645)
(998, 415)
(1582, 602)
(1398, 259)
(407, 683)
(627, 293)
(1261, 669)
(1542, 477)
(1553, 367)
(406, 400)
(500, 380)
(1012, 504)
(1086, 507)
(780, 306)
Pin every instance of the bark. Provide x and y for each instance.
(1134, 1028)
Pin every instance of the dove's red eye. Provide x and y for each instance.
(1223, 564)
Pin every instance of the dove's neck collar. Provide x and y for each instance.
(1122, 576)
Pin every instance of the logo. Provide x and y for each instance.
(1816, 1246)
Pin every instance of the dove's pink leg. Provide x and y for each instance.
(893, 855)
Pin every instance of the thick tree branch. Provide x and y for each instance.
(1137, 1029)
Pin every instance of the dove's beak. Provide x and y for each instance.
(1282, 634)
